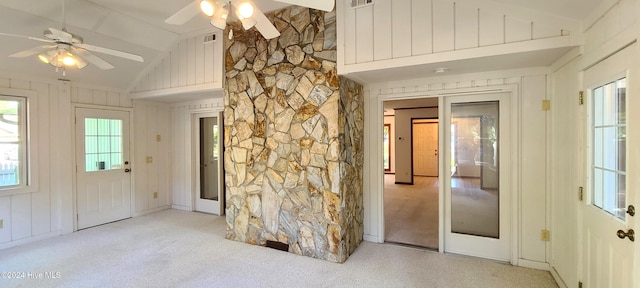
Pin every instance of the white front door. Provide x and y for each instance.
(425, 149)
(477, 182)
(103, 181)
(209, 192)
(612, 169)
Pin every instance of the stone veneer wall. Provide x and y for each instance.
(293, 138)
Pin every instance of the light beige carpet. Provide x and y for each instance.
(184, 249)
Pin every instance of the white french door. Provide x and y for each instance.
(209, 185)
(477, 182)
(103, 178)
(612, 118)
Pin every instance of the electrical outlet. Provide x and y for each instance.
(158, 138)
(149, 159)
(545, 235)
(155, 195)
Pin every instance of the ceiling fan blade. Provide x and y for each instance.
(325, 5)
(112, 52)
(60, 35)
(27, 37)
(185, 14)
(93, 59)
(265, 26)
(32, 51)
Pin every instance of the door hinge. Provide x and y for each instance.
(580, 194)
(546, 105)
(545, 235)
(579, 284)
(581, 98)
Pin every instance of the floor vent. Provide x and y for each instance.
(278, 245)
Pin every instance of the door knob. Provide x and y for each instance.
(631, 234)
(127, 170)
(631, 210)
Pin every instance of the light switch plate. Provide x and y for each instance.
(1, 223)
(155, 195)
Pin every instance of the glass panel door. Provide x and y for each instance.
(210, 194)
(477, 186)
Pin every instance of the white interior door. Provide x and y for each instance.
(103, 181)
(477, 183)
(209, 193)
(425, 149)
(612, 117)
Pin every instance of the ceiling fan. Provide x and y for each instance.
(245, 10)
(69, 50)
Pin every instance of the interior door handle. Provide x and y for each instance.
(631, 234)
(127, 170)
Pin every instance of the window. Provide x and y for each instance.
(103, 144)
(609, 136)
(13, 144)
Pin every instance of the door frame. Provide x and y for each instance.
(195, 157)
(132, 164)
(376, 167)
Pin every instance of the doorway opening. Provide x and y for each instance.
(411, 186)
(210, 194)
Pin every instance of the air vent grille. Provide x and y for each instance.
(209, 38)
(360, 3)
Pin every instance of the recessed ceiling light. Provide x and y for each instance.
(440, 70)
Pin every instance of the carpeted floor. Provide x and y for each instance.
(184, 249)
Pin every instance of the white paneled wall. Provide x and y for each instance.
(182, 154)
(404, 28)
(190, 66)
(531, 163)
(99, 96)
(151, 163)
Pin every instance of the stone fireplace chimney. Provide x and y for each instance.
(293, 139)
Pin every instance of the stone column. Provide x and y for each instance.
(293, 139)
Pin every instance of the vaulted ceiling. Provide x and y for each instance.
(138, 27)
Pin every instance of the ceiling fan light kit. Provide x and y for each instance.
(245, 10)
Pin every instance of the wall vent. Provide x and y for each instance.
(360, 3)
(209, 38)
(278, 245)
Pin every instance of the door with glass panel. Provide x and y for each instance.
(210, 198)
(609, 222)
(477, 180)
(103, 178)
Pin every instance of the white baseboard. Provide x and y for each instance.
(30, 239)
(154, 210)
(371, 238)
(533, 264)
(183, 208)
(558, 279)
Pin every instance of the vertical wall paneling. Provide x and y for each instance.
(174, 67)
(191, 61)
(491, 28)
(159, 71)
(350, 49)
(364, 34)
(99, 97)
(141, 190)
(152, 151)
(178, 172)
(382, 46)
(167, 71)
(208, 62)
(540, 30)
(64, 153)
(41, 200)
(199, 48)
(163, 162)
(466, 27)
(5, 215)
(533, 165)
(53, 168)
(183, 50)
(443, 26)
(421, 38)
(401, 28)
(20, 216)
(517, 30)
